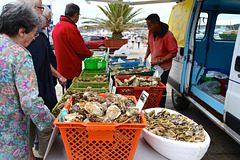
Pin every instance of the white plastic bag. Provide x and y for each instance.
(210, 87)
(124, 50)
(158, 71)
(148, 64)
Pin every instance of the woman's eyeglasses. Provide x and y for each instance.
(49, 20)
(41, 8)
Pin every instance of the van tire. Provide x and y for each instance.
(179, 102)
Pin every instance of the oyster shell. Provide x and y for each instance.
(93, 108)
(113, 112)
(132, 111)
(72, 118)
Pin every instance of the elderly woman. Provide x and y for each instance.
(47, 14)
(19, 101)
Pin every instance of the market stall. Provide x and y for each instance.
(90, 134)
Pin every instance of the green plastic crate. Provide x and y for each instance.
(94, 71)
(83, 74)
(76, 85)
(92, 63)
(90, 78)
(102, 90)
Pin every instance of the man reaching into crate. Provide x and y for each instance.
(69, 45)
(163, 48)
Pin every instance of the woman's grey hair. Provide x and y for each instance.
(71, 9)
(33, 3)
(18, 15)
(46, 11)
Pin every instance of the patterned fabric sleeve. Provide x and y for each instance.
(31, 104)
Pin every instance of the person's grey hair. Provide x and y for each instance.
(33, 3)
(71, 9)
(18, 15)
(46, 11)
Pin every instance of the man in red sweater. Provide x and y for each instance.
(163, 48)
(69, 45)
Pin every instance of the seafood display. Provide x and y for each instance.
(174, 126)
(139, 81)
(115, 108)
(75, 93)
(133, 70)
(94, 79)
(116, 67)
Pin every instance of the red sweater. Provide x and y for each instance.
(162, 46)
(69, 48)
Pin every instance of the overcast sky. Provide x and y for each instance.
(91, 10)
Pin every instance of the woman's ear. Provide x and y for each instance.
(21, 32)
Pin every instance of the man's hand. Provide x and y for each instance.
(62, 81)
(155, 62)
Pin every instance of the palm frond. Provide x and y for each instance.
(120, 18)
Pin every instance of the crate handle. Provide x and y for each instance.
(101, 127)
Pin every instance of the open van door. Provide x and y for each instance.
(232, 106)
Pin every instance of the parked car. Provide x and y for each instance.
(95, 42)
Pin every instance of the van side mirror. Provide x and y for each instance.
(237, 64)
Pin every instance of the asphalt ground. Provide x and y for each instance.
(222, 146)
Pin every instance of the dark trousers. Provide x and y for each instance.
(164, 78)
(69, 82)
(138, 45)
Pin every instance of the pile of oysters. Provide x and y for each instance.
(133, 70)
(91, 107)
(174, 126)
(139, 81)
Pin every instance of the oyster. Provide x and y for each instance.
(132, 111)
(93, 108)
(75, 108)
(119, 82)
(94, 118)
(72, 118)
(113, 112)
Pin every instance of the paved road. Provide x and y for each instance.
(222, 146)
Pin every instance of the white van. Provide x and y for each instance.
(206, 70)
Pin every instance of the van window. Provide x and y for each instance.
(202, 24)
(226, 27)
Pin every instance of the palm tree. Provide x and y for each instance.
(120, 19)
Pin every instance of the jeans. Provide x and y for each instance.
(164, 78)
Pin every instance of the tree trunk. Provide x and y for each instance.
(117, 35)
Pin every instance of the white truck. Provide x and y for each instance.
(206, 70)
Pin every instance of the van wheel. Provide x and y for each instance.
(101, 48)
(179, 102)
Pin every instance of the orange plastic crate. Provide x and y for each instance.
(155, 93)
(100, 141)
